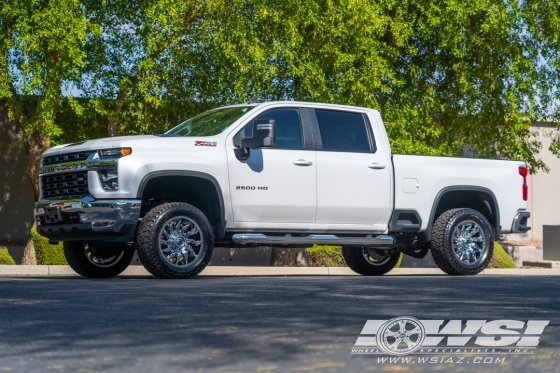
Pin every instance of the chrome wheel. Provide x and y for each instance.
(181, 242)
(376, 257)
(469, 242)
(101, 257)
(401, 336)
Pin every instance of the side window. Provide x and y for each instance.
(342, 131)
(288, 128)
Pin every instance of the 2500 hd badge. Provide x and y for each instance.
(251, 188)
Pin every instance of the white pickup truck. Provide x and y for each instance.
(267, 174)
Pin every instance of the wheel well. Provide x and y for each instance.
(200, 192)
(479, 199)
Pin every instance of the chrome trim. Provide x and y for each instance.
(105, 216)
(469, 243)
(519, 224)
(93, 162)
(181, 243)
(320, 239)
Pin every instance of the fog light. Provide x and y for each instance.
(84, 218)
(109, 179)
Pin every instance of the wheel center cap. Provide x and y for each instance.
(175, 239)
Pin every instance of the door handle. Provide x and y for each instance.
(376, 166)
(303, 162)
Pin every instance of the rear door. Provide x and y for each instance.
(353, 175)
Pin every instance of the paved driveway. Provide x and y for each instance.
(274, 324)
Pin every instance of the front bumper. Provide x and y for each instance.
(520, 222)
(109, 220)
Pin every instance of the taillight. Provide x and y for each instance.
(525, 190)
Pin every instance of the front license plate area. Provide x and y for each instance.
(52, 215)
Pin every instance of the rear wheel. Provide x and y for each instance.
(96, 260)
(370, 262)
(462, 242)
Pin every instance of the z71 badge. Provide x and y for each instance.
(205, 143)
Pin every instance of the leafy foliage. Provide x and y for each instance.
(46, 253)
(41, 44)
(444, 74)
(325, 256)
(500, 259)
(5, 257)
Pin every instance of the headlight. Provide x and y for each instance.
(109, 179)
(114, 153)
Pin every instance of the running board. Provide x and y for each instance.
(320, 239)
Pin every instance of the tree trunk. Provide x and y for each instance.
(288, 257)
(112, 128)
(301, 257)
(35, 146)
(29, 257)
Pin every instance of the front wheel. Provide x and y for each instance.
(96, 260)
(462, 242)
(175, 240)
(370, 262)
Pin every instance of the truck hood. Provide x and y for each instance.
(104, 143)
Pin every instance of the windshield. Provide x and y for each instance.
(210, 123)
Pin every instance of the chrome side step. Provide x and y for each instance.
(320, 239)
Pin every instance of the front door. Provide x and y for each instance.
(275, 185)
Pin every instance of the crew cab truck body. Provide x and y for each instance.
(274, 173)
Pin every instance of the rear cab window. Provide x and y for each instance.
(344, 131)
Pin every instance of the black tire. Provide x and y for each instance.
(361, 261)
(470, 257)
(158, 222)
(94, 260)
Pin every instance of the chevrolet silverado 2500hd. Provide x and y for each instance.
(275, 173)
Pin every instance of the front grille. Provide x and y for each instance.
(66, 158)
(64, 185)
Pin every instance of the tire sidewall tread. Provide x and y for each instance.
(354, 258)
(77, 260)
(441, 246)
(147, 237)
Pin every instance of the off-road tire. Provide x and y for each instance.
(147, 238)
(75, 254)
(442, 247)
(356, 261)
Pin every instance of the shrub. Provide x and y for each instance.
(47, 254)
(501, 259)
(325, 256)
(5, 257)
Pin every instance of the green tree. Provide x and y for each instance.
(542, 22)
(136, 81)
(41, 49)
(444, 74)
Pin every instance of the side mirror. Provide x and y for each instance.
(264, 135)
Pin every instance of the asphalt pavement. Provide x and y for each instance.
(257, 324)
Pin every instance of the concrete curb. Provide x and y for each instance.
(232, 271)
